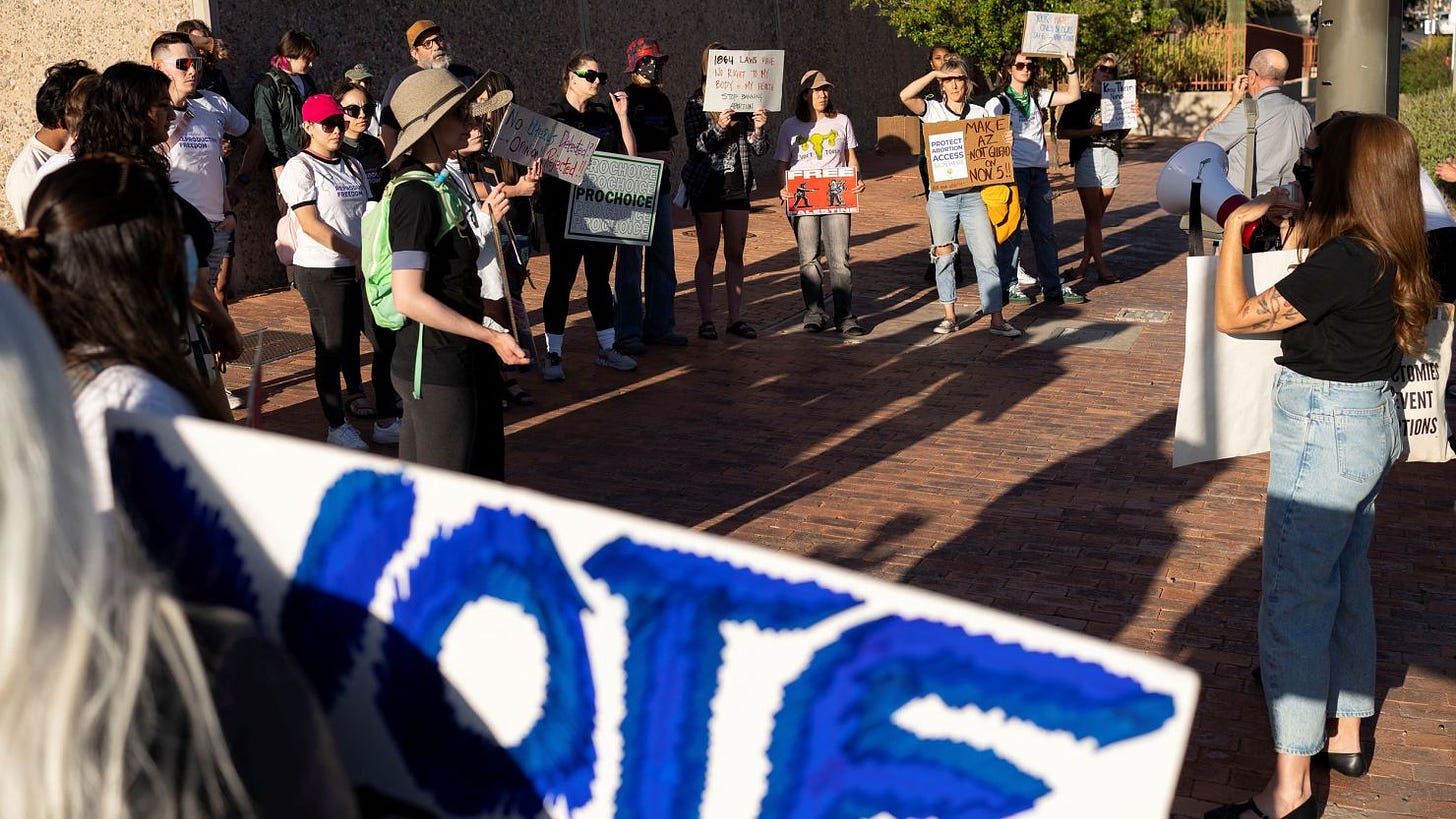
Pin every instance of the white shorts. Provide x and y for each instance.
(1097, 168)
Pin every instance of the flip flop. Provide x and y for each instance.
(741, 329)
(357, 405)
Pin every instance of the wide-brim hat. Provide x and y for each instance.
(498, 100)
(423, 99)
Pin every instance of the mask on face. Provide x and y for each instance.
(649, 70)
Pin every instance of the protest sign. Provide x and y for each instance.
(1420, 384)
(744, 81)
(822, 192)
(483, 650)
(524, 136)
(616, 201)
(988, 150)
(945, 155)
(1118, 99)
(1048, 34)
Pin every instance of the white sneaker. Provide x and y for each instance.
(386, 432)
(237, 399)
(551, 370)
(347, 437)
(616, 359)
(1005, 331)
(1023, 278)
(945, 326)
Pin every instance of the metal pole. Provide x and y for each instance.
(1359, 52)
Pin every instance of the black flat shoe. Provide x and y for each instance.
(1306, 810)
(1351, 765)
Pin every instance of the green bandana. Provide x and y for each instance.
(1021, 100)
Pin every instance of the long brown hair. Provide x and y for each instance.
(102, 261)
(1364, 190)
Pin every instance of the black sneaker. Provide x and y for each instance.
(815, 323)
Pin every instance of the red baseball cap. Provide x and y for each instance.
(320, 107)
(640, 49)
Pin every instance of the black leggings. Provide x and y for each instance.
(566, 256)
(460, 426)
(386, 400)
(334, 300)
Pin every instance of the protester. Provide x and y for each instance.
(1023, 98)
(653, 125)
(718, 178)
(1282, 124)
(581, 81)
(428, 48)
(361, 76)
(279, 94)
(454, 420)
(819, 137)
(50, 112)
(946, 209)
(1362, 296)
(211, 51)
(104, 264)
(118, 700)
(1096, 155)
(327, 193)
(359, 109)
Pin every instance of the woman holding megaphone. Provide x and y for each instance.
(1361, 297)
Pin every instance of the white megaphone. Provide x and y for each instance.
(1207, 164)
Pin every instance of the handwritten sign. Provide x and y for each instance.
(1118, 99)
(525, 136)
(483, 650)
(744, 80)
(1048, 34)
(822, 192)
(617, 201)
(968, 153)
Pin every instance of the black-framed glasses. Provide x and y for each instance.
(433, 41)
(1024, 66)
(357, 111)
(591, 76)
(186, 63)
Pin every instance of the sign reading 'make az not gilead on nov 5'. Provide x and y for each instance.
(482, 650)
(616, 201)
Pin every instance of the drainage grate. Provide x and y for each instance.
(277, 344)
(1145, 316)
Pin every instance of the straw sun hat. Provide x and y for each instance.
(424, 98)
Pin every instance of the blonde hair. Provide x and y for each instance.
(85, 633)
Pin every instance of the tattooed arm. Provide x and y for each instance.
(1234, 311)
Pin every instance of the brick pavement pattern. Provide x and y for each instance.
(1031, 477)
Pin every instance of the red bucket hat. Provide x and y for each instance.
(641, 48)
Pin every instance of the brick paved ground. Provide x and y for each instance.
(1030, 477)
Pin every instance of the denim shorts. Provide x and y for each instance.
(1097, 167)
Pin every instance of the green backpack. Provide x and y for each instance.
(377, 266)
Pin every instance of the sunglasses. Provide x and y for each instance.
(1024, 66)
(591, 76)
(1107, 69)
(952, 79)
(357, 111)
(332, 124)
(185, 63)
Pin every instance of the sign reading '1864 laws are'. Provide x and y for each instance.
(617, 201)
(744, 80)
(1049, 35)
(967, 153)
(525, 136)
(822, 192)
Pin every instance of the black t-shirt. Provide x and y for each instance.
(450, 276)
(600, 121)
(650, 114)
(1078, 116)
(370, 153)
(1349, 332)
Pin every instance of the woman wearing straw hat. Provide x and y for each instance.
(455, 423)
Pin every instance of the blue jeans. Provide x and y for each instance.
(969, 209)
(832, 230)
(1329, 450)
(1035, 190)
(661, 274)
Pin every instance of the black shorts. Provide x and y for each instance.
(713, 201)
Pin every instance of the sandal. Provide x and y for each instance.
(518, 395)
(741, 329)
(706, 330)
(1108, 277)
(357, 405)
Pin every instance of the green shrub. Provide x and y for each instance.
(1165, 63)
(1424, 68)
(1431, 118)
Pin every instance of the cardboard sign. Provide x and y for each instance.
(821, 192)
(617, 200)
(744, 81)
(1048, 34)
(945, 154)
(1118, 99)
(525, 136)
(988, 150)
(481, 650)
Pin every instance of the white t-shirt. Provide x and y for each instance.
(338, 188)
(1028, 150)
(937, 111)
(119, 387)
(20, 182)
(49, 167)
(818, 145)
(198, 174)
(1434, 204)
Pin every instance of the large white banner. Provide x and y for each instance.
(488, 651)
